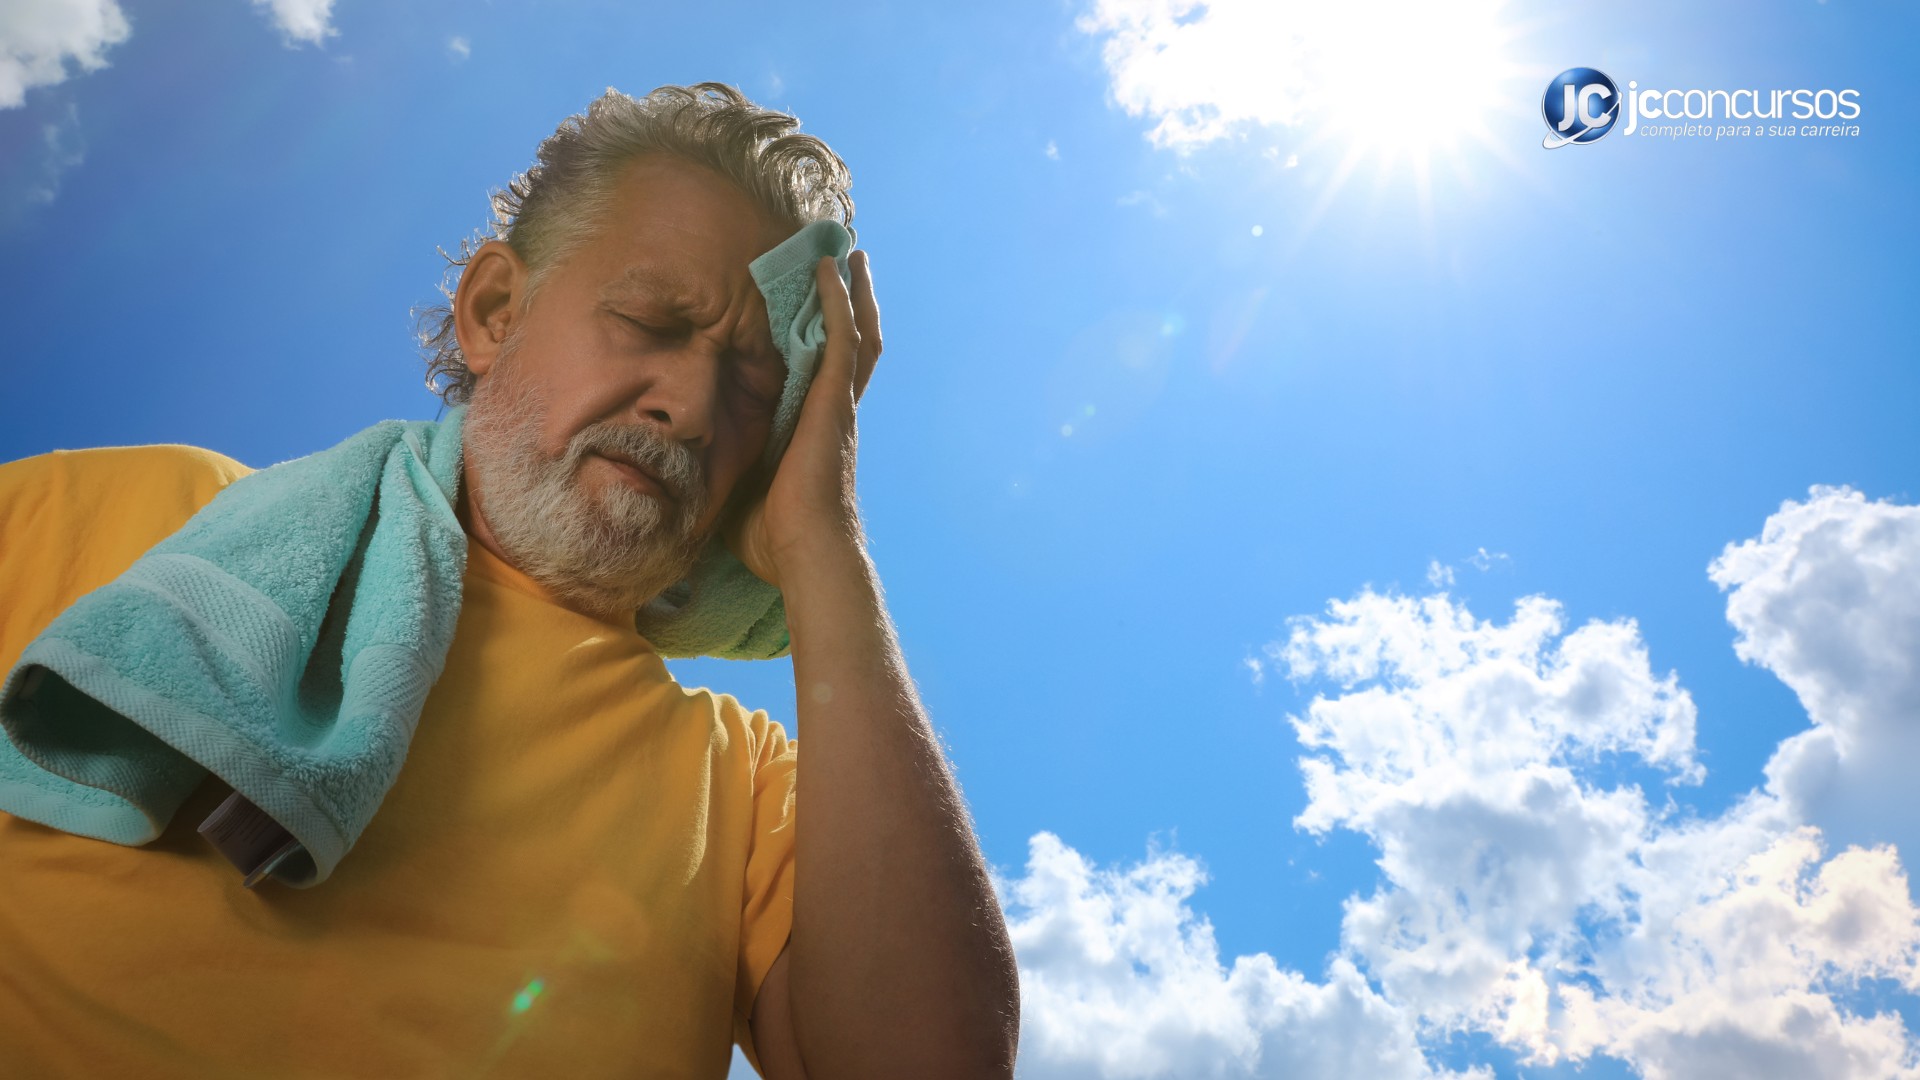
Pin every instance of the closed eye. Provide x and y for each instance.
(761, 380)
(649, 329)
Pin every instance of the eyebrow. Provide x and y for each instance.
(646, 281)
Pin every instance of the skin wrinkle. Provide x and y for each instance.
(649, 342)
(665, 292)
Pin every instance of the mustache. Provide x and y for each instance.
(678, 470)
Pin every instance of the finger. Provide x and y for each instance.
(838, 359)
(866, 318)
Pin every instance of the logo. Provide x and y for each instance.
(1580, 106)
(1583, 104)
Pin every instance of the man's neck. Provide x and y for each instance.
(467, 509)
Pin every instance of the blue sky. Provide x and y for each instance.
(1198, 319)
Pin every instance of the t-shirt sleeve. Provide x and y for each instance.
(73, 520)
(766, 915)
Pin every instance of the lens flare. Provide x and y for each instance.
(528, 994)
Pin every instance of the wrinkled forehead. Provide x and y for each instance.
(674, 294)
(678, 229)
(689, 272)
(699, 294)
(665, 282)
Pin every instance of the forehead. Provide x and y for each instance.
(678, 230)
(665, 281)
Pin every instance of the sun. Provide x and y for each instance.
(1403, 80)
(1401, 91)
(1398, 90)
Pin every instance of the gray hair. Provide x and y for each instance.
(549, 210)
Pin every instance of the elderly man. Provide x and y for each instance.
(582, 869)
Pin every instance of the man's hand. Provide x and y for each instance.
(899, 962)
(810, 506)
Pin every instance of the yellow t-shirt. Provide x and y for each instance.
(584, 869)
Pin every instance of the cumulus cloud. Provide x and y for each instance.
(1827, 597)
(301, 22)
(459, 48)
(1201, 70)
(1204, 70)
(1119, 978)
(1743, 981)
(1531, 890)
(1522, 897)
(1458, 747)
(39, 38)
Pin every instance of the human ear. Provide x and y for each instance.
(490, 296)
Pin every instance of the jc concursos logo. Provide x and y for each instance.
(1580, 106)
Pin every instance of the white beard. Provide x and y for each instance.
(608, 554)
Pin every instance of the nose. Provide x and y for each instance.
(682, 395)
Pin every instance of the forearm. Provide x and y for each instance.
(900, 960)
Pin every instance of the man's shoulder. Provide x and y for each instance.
(169, 466)
(142, 489)
(160, 461)
(72, 520)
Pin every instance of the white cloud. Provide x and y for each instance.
(307, 22)
(1482, 559)
(61, 148)
(1739, 982)
(33, 178)
(1119, 978)
(1052, 151)
(39, 37)
(1530, 890)
(1561, 915)
(1203, 70)
(459, 48)
(1457, 749)
(1441, 575)
(1828, 599)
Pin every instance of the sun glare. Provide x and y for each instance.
(1397, 90)
(1405, 78)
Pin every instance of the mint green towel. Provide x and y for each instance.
(722, 609)
(786, 281)
(284, 639)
